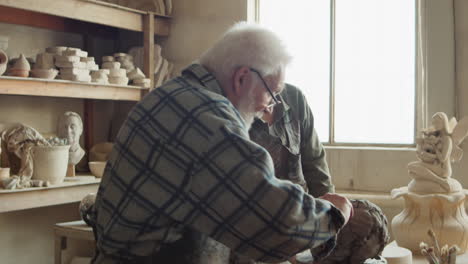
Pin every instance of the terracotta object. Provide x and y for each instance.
(433, 199)
(50, 163)
(44, 73)
(97, 168)
(3, 61)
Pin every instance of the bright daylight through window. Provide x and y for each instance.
(372, 70)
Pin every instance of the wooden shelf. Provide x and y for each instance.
(67, 192)
(68, 89)
(90, 11)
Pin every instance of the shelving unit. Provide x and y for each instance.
(68, 89)
(86, 17)
(67, 192)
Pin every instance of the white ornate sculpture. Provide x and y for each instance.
(70, 127)
(433, 199)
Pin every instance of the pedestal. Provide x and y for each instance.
(443, 213)
(71, 170)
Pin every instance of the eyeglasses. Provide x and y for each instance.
(273, 96)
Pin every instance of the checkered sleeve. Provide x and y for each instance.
(235, 198)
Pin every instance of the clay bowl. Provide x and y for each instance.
(18, 72)
(97, 168)
(44, 73)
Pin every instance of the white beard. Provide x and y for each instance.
(247, 110)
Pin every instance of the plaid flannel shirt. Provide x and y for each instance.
(183, 159)
(294, 145)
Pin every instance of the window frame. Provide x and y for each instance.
(420, 82)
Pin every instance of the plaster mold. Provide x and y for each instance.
(433, 199)
(44, 73)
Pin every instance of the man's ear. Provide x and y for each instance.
(239, 79)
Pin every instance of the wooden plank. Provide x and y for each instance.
(28, 18)
(32, 198)
(148, 47)
(75, 229)
(67, 89)
(89, 124)
(87, 11)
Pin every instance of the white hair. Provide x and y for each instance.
(246, 44)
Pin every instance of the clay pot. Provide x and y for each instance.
(44, 73)
(18, 73)
(50, 163)
(97, 168)
(22, 63)
(3, 61)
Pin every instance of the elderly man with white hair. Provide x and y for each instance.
(183, 160)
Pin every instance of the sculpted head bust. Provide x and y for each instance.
(70, 127)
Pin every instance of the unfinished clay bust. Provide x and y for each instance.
(436, 150)
(364, 237)
(20, 140)
(70, 127)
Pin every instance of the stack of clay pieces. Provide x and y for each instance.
(163, 69)
(100, 76)
(126, 61)
(74, 65)
(117, 75)
(138, 78)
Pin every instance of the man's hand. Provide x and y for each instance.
(340, 202)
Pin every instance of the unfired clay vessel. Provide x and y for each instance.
(44, 73)
(433, 200)
(50, 163)
(21, 67)
(3, 61)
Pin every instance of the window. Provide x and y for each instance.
(356, 63)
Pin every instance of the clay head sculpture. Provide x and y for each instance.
(70, 127)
